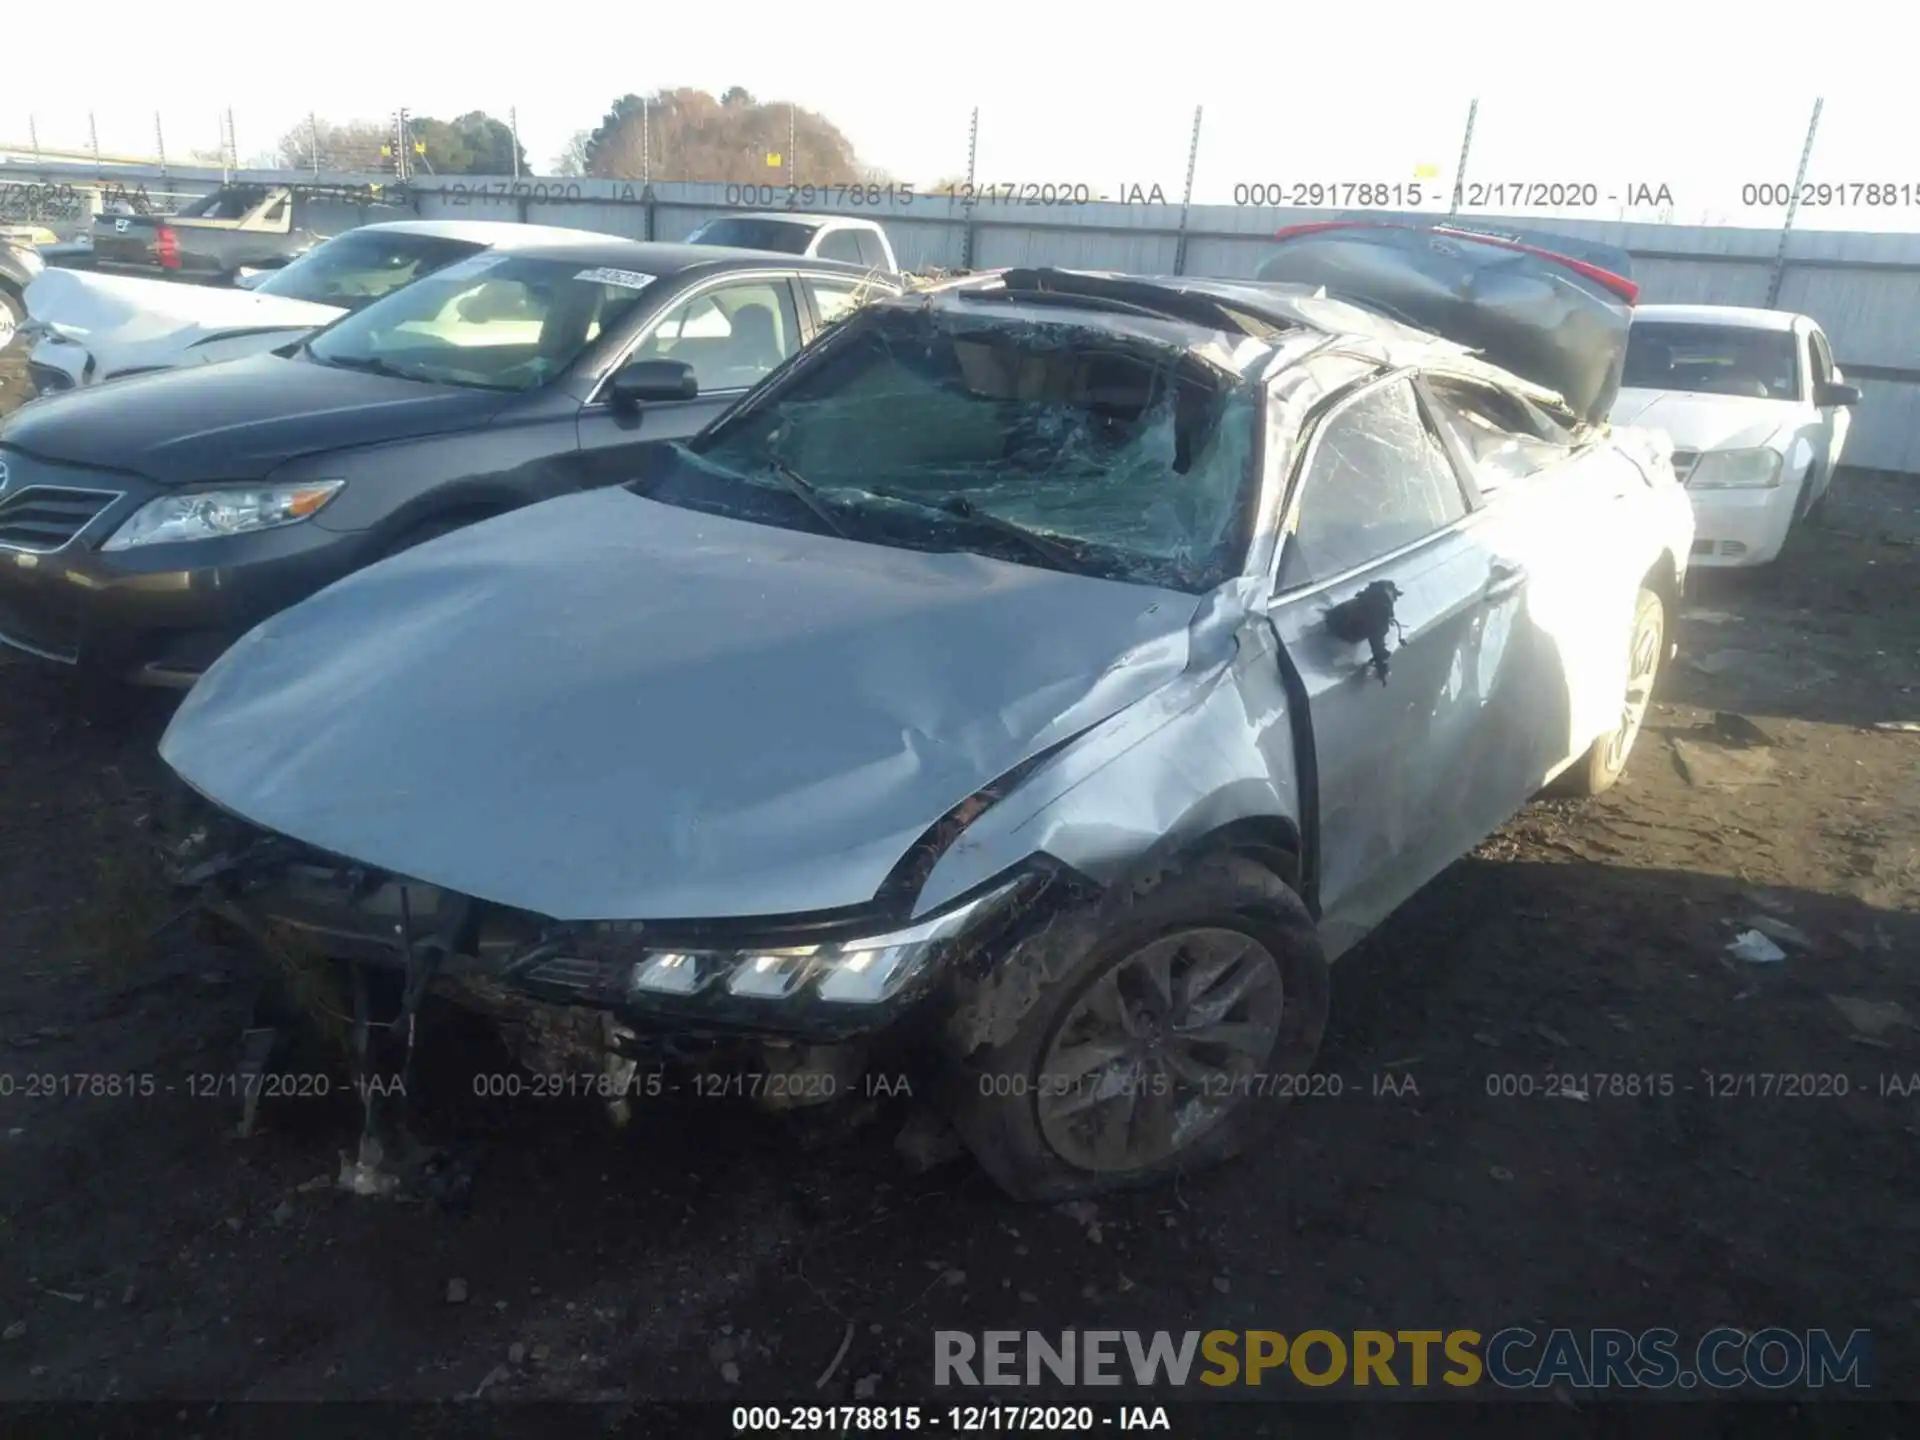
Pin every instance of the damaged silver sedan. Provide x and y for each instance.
(1031, 688)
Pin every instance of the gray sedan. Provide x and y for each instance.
(1033, 687)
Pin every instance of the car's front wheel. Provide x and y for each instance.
(1606, 759)
(1154, 1031)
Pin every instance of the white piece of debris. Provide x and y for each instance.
(1911, 727)
(1780, 931)
(1752, 946)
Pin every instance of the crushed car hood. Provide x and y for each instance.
(1704, 422)
(604, 707)
(238, 419)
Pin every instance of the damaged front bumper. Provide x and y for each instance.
(663, 987)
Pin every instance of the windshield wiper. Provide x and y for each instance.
(803, 491)
(961, 508)
(368, 363)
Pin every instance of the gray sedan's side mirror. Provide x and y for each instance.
(1834, 393)
(653, 380)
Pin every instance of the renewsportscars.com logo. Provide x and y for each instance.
(1512, 1359)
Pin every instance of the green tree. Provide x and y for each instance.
(471, 144)
(690, 135)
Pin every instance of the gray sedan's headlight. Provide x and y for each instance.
(849, 972)
(1736, 470)
(210, 513)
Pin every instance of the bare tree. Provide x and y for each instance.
(324, 145)
(573, 159)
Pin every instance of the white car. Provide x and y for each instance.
(87, 328)
(1756, 411)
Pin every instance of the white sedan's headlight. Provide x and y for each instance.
(209, 513)
(1736, 470)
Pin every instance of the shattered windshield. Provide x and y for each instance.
(1060, 445)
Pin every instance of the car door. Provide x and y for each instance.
(1834, 419)
(732, 332)
(1558, 512)
(1401, 764)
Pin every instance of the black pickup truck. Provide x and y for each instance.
(239, 227)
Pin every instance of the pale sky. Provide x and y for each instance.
(1686, 96)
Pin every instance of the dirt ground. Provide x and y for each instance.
(145, 1252)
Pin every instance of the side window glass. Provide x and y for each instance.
(731, 336)
(836, 299)
(1502, 438)
(871, 254)
(1822, 360)
(1380, 479)
(841, 245)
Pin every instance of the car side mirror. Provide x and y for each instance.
(653, 380)
(1834, 393)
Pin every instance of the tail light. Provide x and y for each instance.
(166, 245)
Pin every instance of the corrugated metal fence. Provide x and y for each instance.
(1864, 289)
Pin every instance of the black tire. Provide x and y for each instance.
(1000, 1030)
(1601, 767)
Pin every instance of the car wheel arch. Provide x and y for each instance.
(420, 525)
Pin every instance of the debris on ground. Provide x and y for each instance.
(1757, 949)
(1733, 728)
(456, 1292)
(1720, 767)
(1780, 931)
(1908, 726)
(1872, 1018)
(927, 1141)
(833, 1365)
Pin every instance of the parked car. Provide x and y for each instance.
(215, 237)
(90, 328)
(830, 237)
(154, 520)
(1757, 412)
(1033, 686)
(20, 265)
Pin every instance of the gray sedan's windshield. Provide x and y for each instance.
(1047, 443)
(496, 322)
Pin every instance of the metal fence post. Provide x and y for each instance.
(1186, 197)
(973, 151)
(160, 143)
(513, 127)
(313, 141)
(1466, 145)
(1793, 206)
(93, 141)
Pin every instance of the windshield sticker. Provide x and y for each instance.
(627, 279)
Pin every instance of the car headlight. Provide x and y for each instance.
(865, 971)
(209, 513)
(1736, 470)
